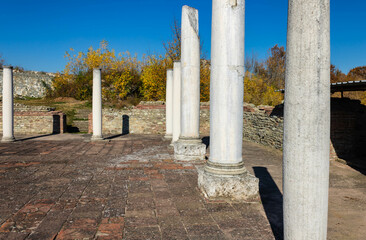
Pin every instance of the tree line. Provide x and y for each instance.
(126, 80)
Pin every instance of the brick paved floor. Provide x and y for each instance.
(130, 187)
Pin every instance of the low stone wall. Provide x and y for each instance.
(29, 83)
(36, 120)
(143, 119)
(149, 118)
(264, 128)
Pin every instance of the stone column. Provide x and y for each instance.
(190, 146)
(307, 121)
(8, 108)
(169, 104)
(177, 85)
(97, 105)
(224, 175)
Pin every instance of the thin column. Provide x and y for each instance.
(8, 108)
(169, 104)
(307, 121)
(97, 104)
(189, 146)
(177, 85)
(224, 174)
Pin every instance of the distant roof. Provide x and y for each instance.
(344, 86)
(348, 86)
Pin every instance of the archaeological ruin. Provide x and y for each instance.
(189, 169)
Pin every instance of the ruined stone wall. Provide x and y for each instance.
(348, 129)
(259, 125)
(144, 119)
(264, 129)
(36, 120)
(29, 84)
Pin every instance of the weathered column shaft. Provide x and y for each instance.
(8, 108)
(189, 146)
(190, 63)
(227, 81)
(97, 104)
(224, 175)
(177, 85)
(169, 104)
(307, 120)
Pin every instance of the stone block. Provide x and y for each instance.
(189, 150)
(237, 188)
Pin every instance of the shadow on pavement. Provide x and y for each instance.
(34, 137)
(114, 136)
(271, 198)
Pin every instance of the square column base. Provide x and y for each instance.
(189, 150)
(7, 139)
(237, 188)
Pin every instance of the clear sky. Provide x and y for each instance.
(35, 34)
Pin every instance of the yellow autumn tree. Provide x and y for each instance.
(153, 77)
(120, 74)
(122, 79)
(205, 80)
(258, 92)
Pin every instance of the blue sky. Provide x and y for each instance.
(35, 34)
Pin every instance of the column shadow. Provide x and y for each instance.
(33, 137)
(113, 136)
(206, 141)
(272, 200)
(125, 124)
(125, 128)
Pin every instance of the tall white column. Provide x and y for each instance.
(169, 104)
(224, 175)
(177, 85)
(307, 121)
(8, 108)
(97, 104)
(189, 146)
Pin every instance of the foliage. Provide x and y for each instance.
(153, 77)
(358, 73)
(275, 66)
(120, 74)
(122, 79)
(336, 75)
(254, 66)
(205, 80)
(258, 92)
(172, 47)
(272, 69)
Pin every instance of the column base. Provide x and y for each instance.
(7, 139)
(168, 136)
(242, 187)
(189, 150)
(96, 138)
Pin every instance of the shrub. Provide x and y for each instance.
(258, 92)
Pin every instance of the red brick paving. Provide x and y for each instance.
(126, 188)
(129, 188)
